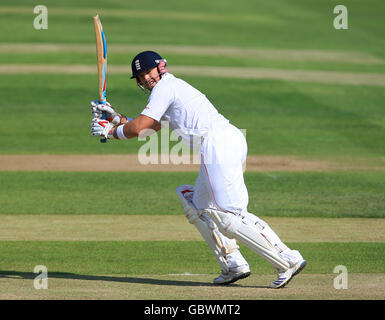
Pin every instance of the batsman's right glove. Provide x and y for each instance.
(102, 128)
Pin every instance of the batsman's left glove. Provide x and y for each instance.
(102, 128)
(97, 108)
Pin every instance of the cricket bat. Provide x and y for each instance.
(101, 53)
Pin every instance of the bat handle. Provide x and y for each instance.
(104, 117)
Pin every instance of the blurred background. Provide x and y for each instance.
(279, 70)
(309, 95)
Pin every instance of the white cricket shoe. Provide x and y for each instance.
(284, 277)
(233, 275)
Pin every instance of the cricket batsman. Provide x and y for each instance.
(217, 204)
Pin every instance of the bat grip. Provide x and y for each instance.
(104, 117)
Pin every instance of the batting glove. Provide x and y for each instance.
(97, 109)
(102, 128)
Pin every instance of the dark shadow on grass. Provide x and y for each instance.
(150, 281)
(65, 275)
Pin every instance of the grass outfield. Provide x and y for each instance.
(67, 286)
(177, 268)
(108, 227)
(281, 117)
(281, 24)
(142, 270)
(174, 257)
(284, 118)
(330, 194)
(122, 235)
(258, 58)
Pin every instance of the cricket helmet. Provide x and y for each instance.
(144, 61)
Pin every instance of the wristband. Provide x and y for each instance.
(120, 133)
(129, 119)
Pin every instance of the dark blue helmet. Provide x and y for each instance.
(144, 61)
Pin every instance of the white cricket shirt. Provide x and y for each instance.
(187, 110)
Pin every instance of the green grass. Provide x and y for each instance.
(331, 194)
(250, 23)
(167, 257)
(50, 114)
(174, 59)
(281, 118)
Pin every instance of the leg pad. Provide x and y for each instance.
(233, 227)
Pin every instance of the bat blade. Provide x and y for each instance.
(101, 53)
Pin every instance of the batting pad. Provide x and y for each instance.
(205, 226)
(233, 227)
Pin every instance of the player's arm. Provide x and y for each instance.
(142, 125)
(156, 126)
(108, 128)
(136, 126)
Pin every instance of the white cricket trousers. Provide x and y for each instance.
(220, 183)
